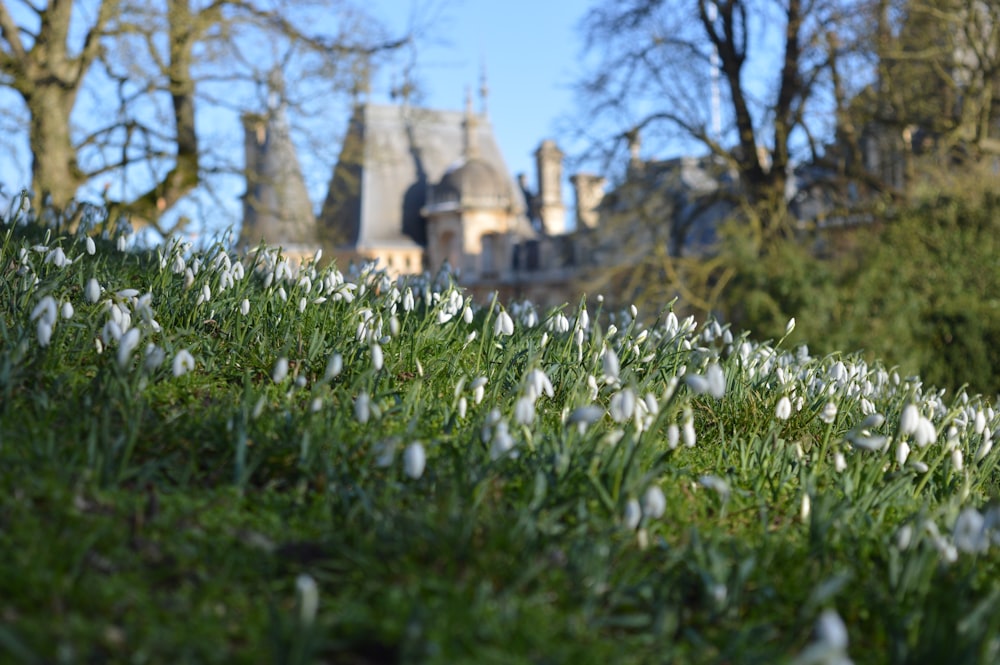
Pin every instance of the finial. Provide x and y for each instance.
(484, 90)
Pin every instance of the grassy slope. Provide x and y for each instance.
(160, 518)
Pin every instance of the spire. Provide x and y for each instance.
(484, 91)
(471, 147)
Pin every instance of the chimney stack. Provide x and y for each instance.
(589, 190)
(551, 210)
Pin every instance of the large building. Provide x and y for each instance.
(416, 189)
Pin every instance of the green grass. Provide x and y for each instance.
(148, 517)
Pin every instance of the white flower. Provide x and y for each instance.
(408, 300)
(611, 366)
(622, 405)
(308, 592)
(414, 460)
(377, 357)
(673, 435)
(539, 384)
(362, 408)
(46, 310)
(784, 409)
(126, 345)
(969, 534)
(333, 366)
(280, 371)
(153, 357)
(91, 248)
(92, 292)
(839, 461)
(478, 389)
(183, 363)
(633, 514)
(57, 257)
(909, 420)
(957, 459)
(716, 484)
(716, 381)
(245, 306)
(925, 433)
(805, 508)
(524, 411)
(585, 416)
(654, 503)
(67, 310)
(902, 452)
(44, 330)
(504, 325)
(790, 326)
(502, 442)
(829, 413)
(688, 433)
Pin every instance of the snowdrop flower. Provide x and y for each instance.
(633, 514)
(280, 371)
(478, 389)
(716, 381)
(839, 461)
(957, 459)
(925, 433)
(463, 405)
(45, 310)
(414, 460)
(790, 326)
(504, 325)
(909, 420)
(153, 357)
(524, 411)
(57, 257)
(673, 435)
(829, 413)
(688, 433)
(91, 247)
(333, 366)
(308, 593)
(622, 405)
(805, 508)
(716, 484)
(44, 333)
(784, 409)
(585, 416)
(183, 363)
(502, 441)
(245, 306)
(408, 303)
(654, 503)
(611, 366)
(539, 384)
(92, 291)
(985, 447)
(969, 534)
(126, 345)
(362, 408)
(902, 452)
(830, 646)
(377, 356)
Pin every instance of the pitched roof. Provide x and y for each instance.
(390, 158)
(276, 206)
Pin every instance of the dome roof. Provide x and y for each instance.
(474, 182)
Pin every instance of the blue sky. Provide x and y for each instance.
(529, 48)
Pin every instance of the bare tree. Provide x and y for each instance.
(147, 69)
(748, 81)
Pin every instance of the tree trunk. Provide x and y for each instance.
(55, 171)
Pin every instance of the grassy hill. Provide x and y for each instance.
(213, 458)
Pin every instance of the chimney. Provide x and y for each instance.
(589, 190)
(551, 210)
